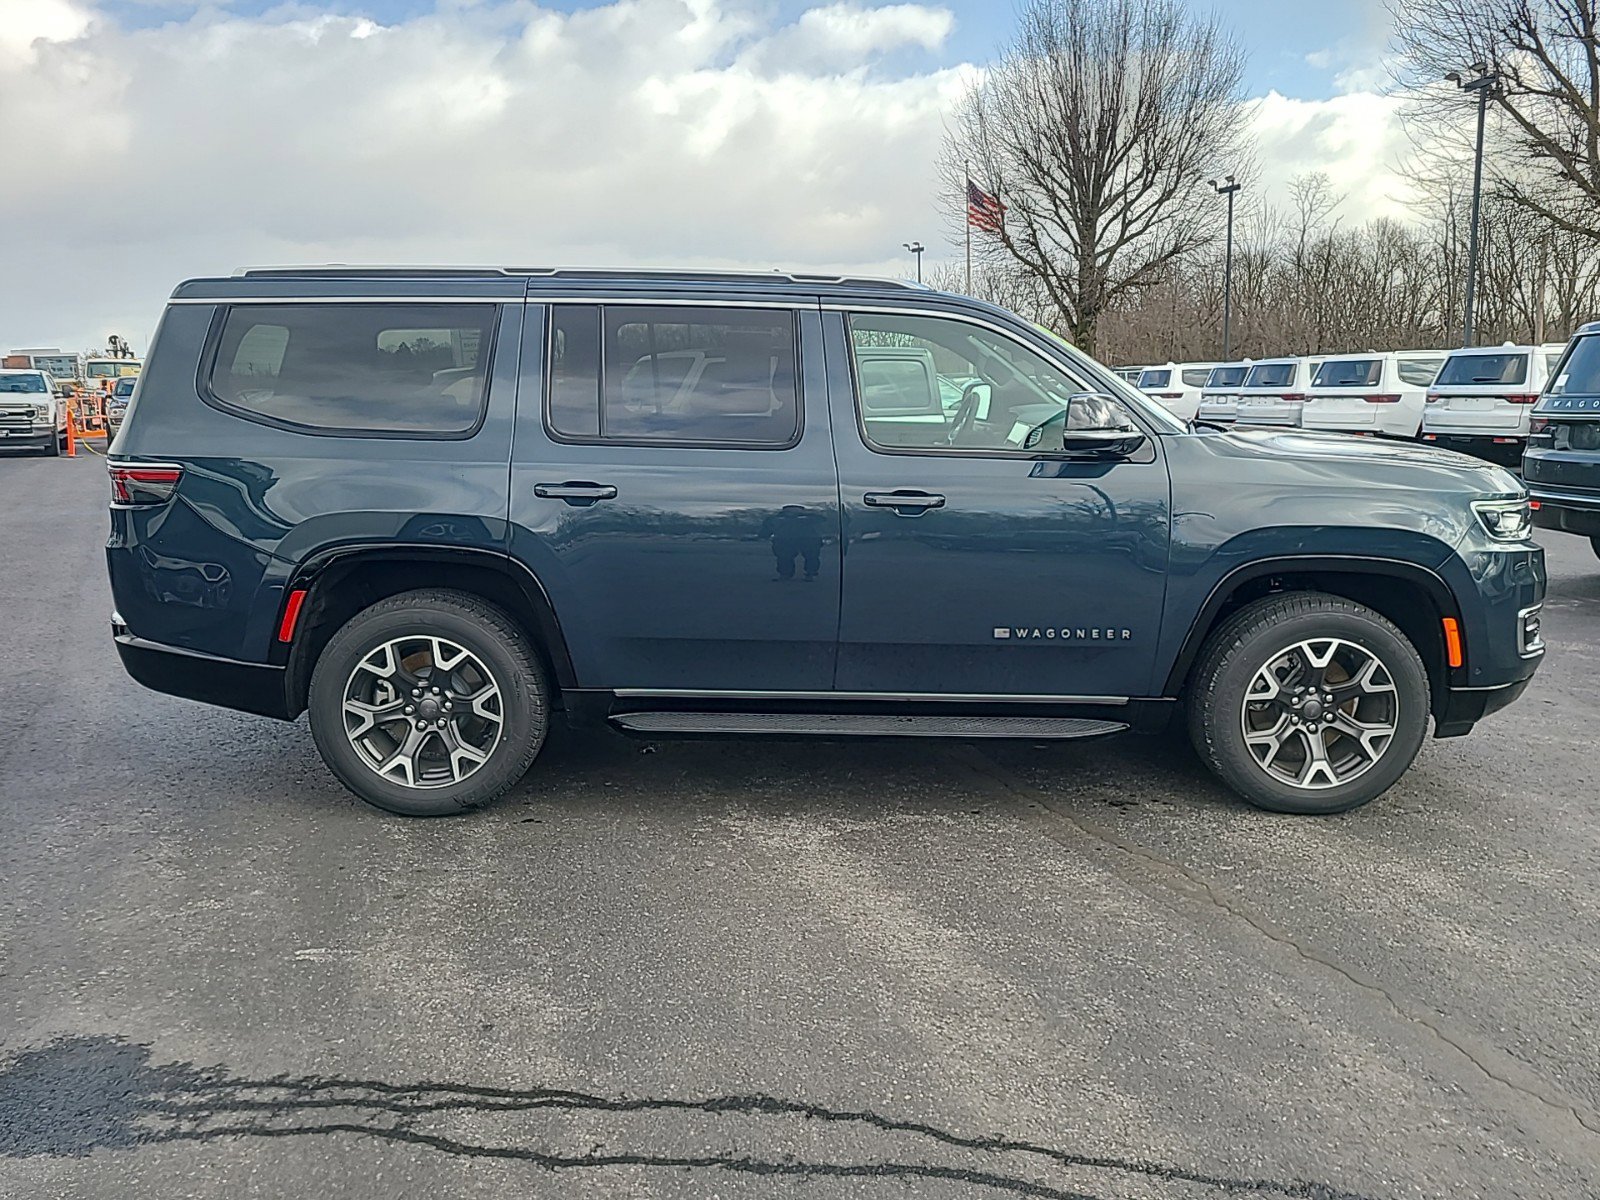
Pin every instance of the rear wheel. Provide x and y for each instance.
(1308, 703)
(429, 703)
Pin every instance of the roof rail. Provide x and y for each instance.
(345, 271)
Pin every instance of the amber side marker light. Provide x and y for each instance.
(1452, 642)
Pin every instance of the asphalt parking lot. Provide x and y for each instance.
(750, 969)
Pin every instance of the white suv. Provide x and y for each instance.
(32, 416)
(1176, 386)
(1378, 394)
(1219, 398)
(1479, 403)
(1274, 391)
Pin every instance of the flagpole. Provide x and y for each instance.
(966, 219)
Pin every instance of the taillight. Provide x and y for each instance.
(1294, 397)
(140, 487)
(1169, 395)
(1522, 399)
(1433, 398)
(1538, 424)
(1384, 398)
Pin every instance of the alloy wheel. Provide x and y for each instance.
(1320, 713)
(423, 712)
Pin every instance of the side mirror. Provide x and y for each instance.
(1093, 425)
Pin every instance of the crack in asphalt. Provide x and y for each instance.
(1517, 1078)
(79, 1094)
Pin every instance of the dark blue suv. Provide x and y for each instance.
(437, 509)
(1562, 463)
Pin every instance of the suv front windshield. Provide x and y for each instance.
(30, 384)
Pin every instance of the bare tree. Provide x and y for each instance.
(1095, 129)
(1547, 56)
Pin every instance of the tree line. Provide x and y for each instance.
(1098, 128)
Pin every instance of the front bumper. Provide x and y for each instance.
(1465, 707)
(37, 437)
(248, 687)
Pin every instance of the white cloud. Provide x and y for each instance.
(688, 132)
(644, 131)
(1354, 139)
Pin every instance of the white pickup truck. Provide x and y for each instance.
(32, 416)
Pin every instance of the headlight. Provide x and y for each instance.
(1505, 520)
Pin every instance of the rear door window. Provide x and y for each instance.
(397, 370)
(1356, 372)
(675, 375)
(1483, 370)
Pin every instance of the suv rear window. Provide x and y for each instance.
(1154, 379)
(1354, 372)
(1466, 370)
(1224, 377)
(678, 375)
(1270, 375)
(383, 369)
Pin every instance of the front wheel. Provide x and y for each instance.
(1308, 703)
(429, 703)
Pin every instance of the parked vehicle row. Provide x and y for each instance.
(1476, 400)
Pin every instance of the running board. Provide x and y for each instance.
(864, 725)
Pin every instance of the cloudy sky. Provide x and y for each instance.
(149, 140)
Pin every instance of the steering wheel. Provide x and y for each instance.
(966, 413)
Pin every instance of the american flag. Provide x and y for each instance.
(984, 211)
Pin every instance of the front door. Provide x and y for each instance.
(975, 567)
(673, 490)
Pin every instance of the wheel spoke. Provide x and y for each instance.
(373, 715)
(1271, 740)
(1370, 680)
(485, 703)
(404, 758)
(1316, 765)
(460, 752)
(1365, 732)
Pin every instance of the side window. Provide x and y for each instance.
(951, 386)
(1196, 376)
(1418, 372)
(395, 369)
(674, 375)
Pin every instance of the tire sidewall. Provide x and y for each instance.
(1237, 765)
(524, 707)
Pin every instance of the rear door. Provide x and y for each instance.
(974, 568)
(673, 489)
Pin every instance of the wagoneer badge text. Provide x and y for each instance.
(1051, 633)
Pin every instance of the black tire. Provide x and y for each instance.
(1594, 544)
(55, 447)
(472, 624)
(1256, 636)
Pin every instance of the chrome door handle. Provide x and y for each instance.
(579, 495)
(905, 504)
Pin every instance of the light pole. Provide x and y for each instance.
(1484, 86)
(916, 248)
(1227, 188)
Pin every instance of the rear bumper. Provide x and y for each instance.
(1566, 511)
(1283, 416)
(1503, 449)
(247, 687)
